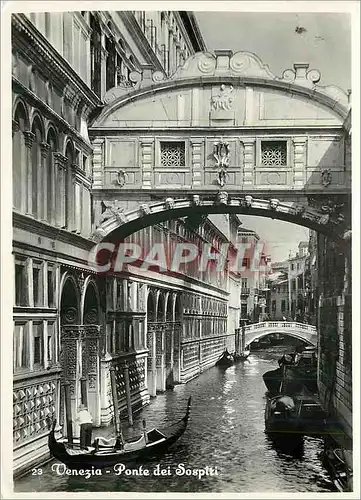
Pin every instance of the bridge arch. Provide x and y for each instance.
(116, 224)
(301, 331)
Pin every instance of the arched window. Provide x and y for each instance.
(69, 187)
(19, 158)
(50, 173)
(36, 167)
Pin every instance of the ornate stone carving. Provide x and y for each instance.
(144, 209)
(222, 198)
(299, 210)
(169, 203)
(326, 177)
(29, 139)
(44, 146)
(221, 153)
(69, 315)
(223, 100)
(248, 200)
(273, 203)
(196, 200)
(110, 210)
(222, 175)
(121, 176)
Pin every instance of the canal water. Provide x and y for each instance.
(225, 433)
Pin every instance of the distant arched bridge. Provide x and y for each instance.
(250, 333)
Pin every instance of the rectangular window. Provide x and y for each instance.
(274, 153)
(244, 310)
(50, 288)
(21, 358)
(245, 262)
(274, 306)
(37, 285)
(51, 344)
(283, 306)
(172, 154)
(20, 285)
(292, 267)
(244, 282)
(38, 345)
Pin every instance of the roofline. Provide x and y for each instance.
(191, 24)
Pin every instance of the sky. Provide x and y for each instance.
(325, 45)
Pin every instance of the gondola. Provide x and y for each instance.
(225, 360)
(298, 415)
(106, 453)
(241, 357)
(339, 463)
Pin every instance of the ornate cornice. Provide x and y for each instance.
(41, 228)
(226, 68)
(34, 46)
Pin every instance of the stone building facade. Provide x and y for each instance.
(105, 121)
(69, 322)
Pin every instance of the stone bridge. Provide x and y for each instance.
(301, 331)
(222, 134)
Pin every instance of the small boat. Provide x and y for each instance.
(241, 357)
(294, 415)
(339, 463)
(225, 360)
(106, 453)
(281, 415)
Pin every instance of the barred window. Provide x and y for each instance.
(274, 153)
(172, 154)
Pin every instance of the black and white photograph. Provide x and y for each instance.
(180, 230)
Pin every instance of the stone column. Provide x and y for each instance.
(249, 162)
(43, 190)
(160, 357)
(91, 369)
(151, 364)
(147, 162)
(71, 368)
(299, 166)
(29, 139)
(197, 162)
(106, 409)
(60, 171)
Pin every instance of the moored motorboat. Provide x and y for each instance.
(107, 453)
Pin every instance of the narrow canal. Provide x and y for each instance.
(225, 431)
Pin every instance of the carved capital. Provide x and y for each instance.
(60, 160)
(44, 146)
(29, 139)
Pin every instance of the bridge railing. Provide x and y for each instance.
(281, 325)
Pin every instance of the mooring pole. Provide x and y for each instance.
(69, 421)
(127, 391)
(115, 401)
(84, 391)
